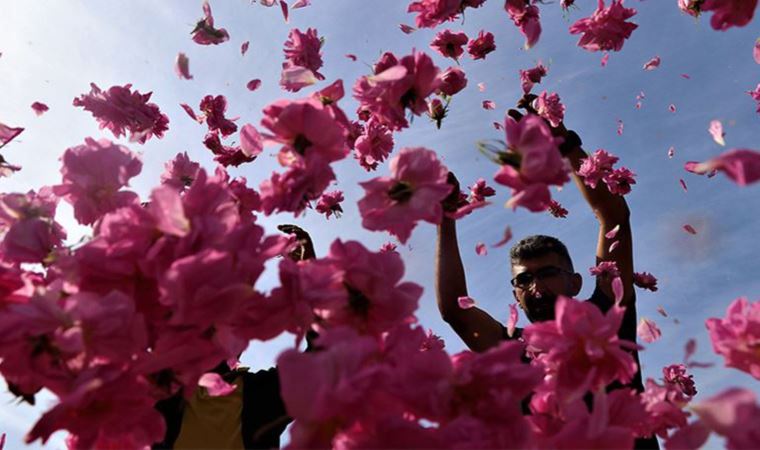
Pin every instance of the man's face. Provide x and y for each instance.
(539, 281)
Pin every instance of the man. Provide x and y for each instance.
(541, 267)
(253, 416)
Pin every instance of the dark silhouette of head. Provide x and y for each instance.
(541, 271)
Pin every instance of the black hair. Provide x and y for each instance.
(537, 246)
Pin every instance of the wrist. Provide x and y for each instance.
(572, 142)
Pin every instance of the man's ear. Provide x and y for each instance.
(576, 283)
(514, 294)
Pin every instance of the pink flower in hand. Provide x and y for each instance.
(596, 167)
(532, 76)
(119, 109)
(532, 163)
(373, 145)
(675, 375)
(742, 166)
(737, 336)
(619, 181)
(204, 32)
(453, 80)
(93, 174)
(481, 46)
(581, 347)
(550, 108)
(449, 44)
(413, 192)
(329, 204)
(606, 29)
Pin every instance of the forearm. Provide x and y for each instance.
(450, 281)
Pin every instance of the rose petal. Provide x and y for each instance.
(244, 48)
(39, 108)
(683, 185)
(481, 249)
(465, 302)
(672, 108)
(189, 110)
(182, 67)
(253, 84)
(689, 229)
(482, 87)
(605, 59)
(351, 56)
(613, 246)
(716, 131)
(648, 331)
(488, 104)
(756, 51)
(512, 322)
(662, 312)
(613, 232)
(671, 152)
(505, 239)
(285, 13)
(215, 385)
(617, 289)
(406, 28)
(652, 63)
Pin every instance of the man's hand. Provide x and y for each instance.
(305, 248)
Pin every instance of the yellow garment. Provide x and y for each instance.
(212, 422)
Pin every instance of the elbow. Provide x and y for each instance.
(617, 213)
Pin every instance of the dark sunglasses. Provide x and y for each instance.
(524, 279)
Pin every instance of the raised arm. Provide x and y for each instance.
(476, 327)
(611, 211)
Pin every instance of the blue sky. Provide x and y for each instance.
(53, 50)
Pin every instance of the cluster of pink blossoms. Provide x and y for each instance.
(120, 110)
(303, 59)
(598, 167)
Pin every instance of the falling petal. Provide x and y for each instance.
(215, 385)
(683, 185)
(253, 84)
(512, 322)
(671, 152)
(481, 249)
(285, 13)
(244, 48)
(39, 108)
(613, 246)
(756, 51)
(505, 239)
(620, 127)
(652, 63)
(182, 67)
(662, 312)
(685, 76)
(465, 302)
(488, 104)
(498, 125)
(7, 134)
(613, 232)
(689, 349)
(189, 110)
(716, 131)
(605, 59)
(689, 229)
(301, 4)
(407, 29)
(482, 87)
(617, 289)
(351, 56)
(672, 108)
(648, 331)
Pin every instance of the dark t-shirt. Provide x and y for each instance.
(627, 332)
